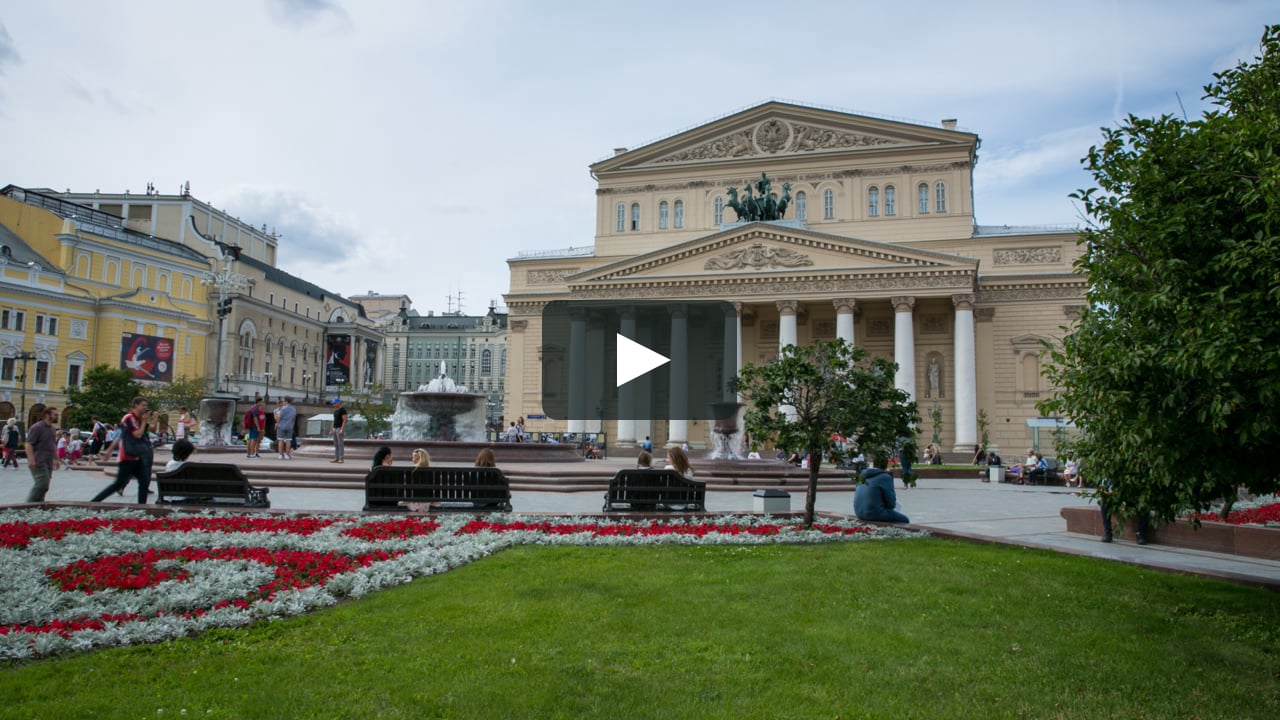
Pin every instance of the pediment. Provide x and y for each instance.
(776, 129)
(768, 249)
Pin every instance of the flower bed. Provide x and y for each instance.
(1252, 529)
(76, 580)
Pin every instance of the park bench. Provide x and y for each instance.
(1048, 476)
(389, 488)
(209, 484)
(642, 490)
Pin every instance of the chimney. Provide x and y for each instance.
(949, 124)
(619, 151)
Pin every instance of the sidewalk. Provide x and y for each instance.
(961, 508)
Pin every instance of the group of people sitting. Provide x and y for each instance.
(422, 459)
(677, 459)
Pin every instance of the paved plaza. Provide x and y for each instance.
(956, 507)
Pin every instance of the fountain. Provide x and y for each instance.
(216, 416)
(440, 410)
(726, 438)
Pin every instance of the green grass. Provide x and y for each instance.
(902, 629)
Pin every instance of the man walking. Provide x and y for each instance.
(286, 415)
(339, 430)
(42, 442)
(129, 465)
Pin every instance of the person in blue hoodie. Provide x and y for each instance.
(874, 498)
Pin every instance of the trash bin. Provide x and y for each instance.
(771, 501)
(995, 473)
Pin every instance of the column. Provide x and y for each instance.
(732, 351)
(844, 318)
(627, 393)
(596, 405)
(904, 344)
(786, 338)
(678, 425)
(577, 371)
(965, 374)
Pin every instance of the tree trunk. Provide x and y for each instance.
(811, 497)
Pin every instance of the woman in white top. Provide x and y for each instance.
(677, 460)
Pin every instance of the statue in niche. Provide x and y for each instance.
(935, 379)
(760, 203)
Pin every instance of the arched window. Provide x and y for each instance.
(635, 216)
(719, 207)
(890, 201)
(828, 204)
(679, 214)
(873, 202)
(940, 197)
(662, 215)
(922, 198)
(802, 209)
(622, 217)
(486, 362)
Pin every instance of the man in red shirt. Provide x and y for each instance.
(255, 425)
(134, 423)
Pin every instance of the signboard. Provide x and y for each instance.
(337, 367)
(147, 357)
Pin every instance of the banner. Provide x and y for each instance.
(337, 368)
(147, 357)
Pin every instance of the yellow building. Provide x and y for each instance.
(878, 246)
(79, 290)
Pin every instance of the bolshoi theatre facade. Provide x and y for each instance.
(877, 246)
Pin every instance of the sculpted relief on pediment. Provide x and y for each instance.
(758, 256)
(774, 136)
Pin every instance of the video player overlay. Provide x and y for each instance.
(674, 360)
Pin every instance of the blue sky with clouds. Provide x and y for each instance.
(412, 147)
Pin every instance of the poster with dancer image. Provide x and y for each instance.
(147, 357)
(337, 366)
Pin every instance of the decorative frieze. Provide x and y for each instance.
(781, 286)
(774, 136)
(933, 324)
(1028, 256)
(758, 256)
(549, 276)
(1033, 292)
(880, 327)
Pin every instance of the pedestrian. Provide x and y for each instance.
(647, 445)
(42, 443)
(874, 499)
(134, 460)
(98, 440)
(255, 424)
(187, 425)
(11, 435)
(339, 430)
(286, 416)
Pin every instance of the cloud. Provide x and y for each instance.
(298, 13)
(8, 50)
(309, 232)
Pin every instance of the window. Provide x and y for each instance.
(828, 204)
(42, 372)
(486, 363)
(662, 215)
(873, 202)
(679, 213)
(46, 325)
(7, 369)
(922, 198)
(635, 216)
(940, 197)
(890, 202)
(719, 208)
(271, 298)
(73, 376)
(802, 206)
(12, 320)
(622, 217)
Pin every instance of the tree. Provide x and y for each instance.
(833, 388)
(106, 392)
(167, 396)
(370, 403)
(1173, 370)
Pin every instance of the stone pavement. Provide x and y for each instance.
(955, 507)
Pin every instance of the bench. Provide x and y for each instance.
(1048, 476)
(209, 484)
(641, 490)
(467, 489)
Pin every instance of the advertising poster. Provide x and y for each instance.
(147, 357)
(337, 368)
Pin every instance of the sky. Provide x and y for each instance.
(412, 147)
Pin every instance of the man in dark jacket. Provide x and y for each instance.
(42, 444)
(874, 498)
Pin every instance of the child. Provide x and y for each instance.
(182, 449)
(61, 462)
(75, 448)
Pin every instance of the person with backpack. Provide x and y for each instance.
(11, 436)
(255, 425)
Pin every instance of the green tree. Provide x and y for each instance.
(182, 390)
(1173, 370)
(370, 403)
(106, 392)
(833, 388)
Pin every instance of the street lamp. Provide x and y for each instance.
(306, 387)
(24, 356)
(226, 381)
(266, 395)
(225, 280)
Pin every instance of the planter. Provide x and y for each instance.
(1245, 540)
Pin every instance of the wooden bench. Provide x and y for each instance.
(646, 490)
(466, 489)
(209, 484)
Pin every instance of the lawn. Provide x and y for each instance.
(921, 628)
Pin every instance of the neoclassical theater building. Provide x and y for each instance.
(878, 246)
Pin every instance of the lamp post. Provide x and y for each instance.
(226, 381)
(24, 356)
(266, 377)
(225, 280)
(306, 387)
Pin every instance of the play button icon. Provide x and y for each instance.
(635, 360)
